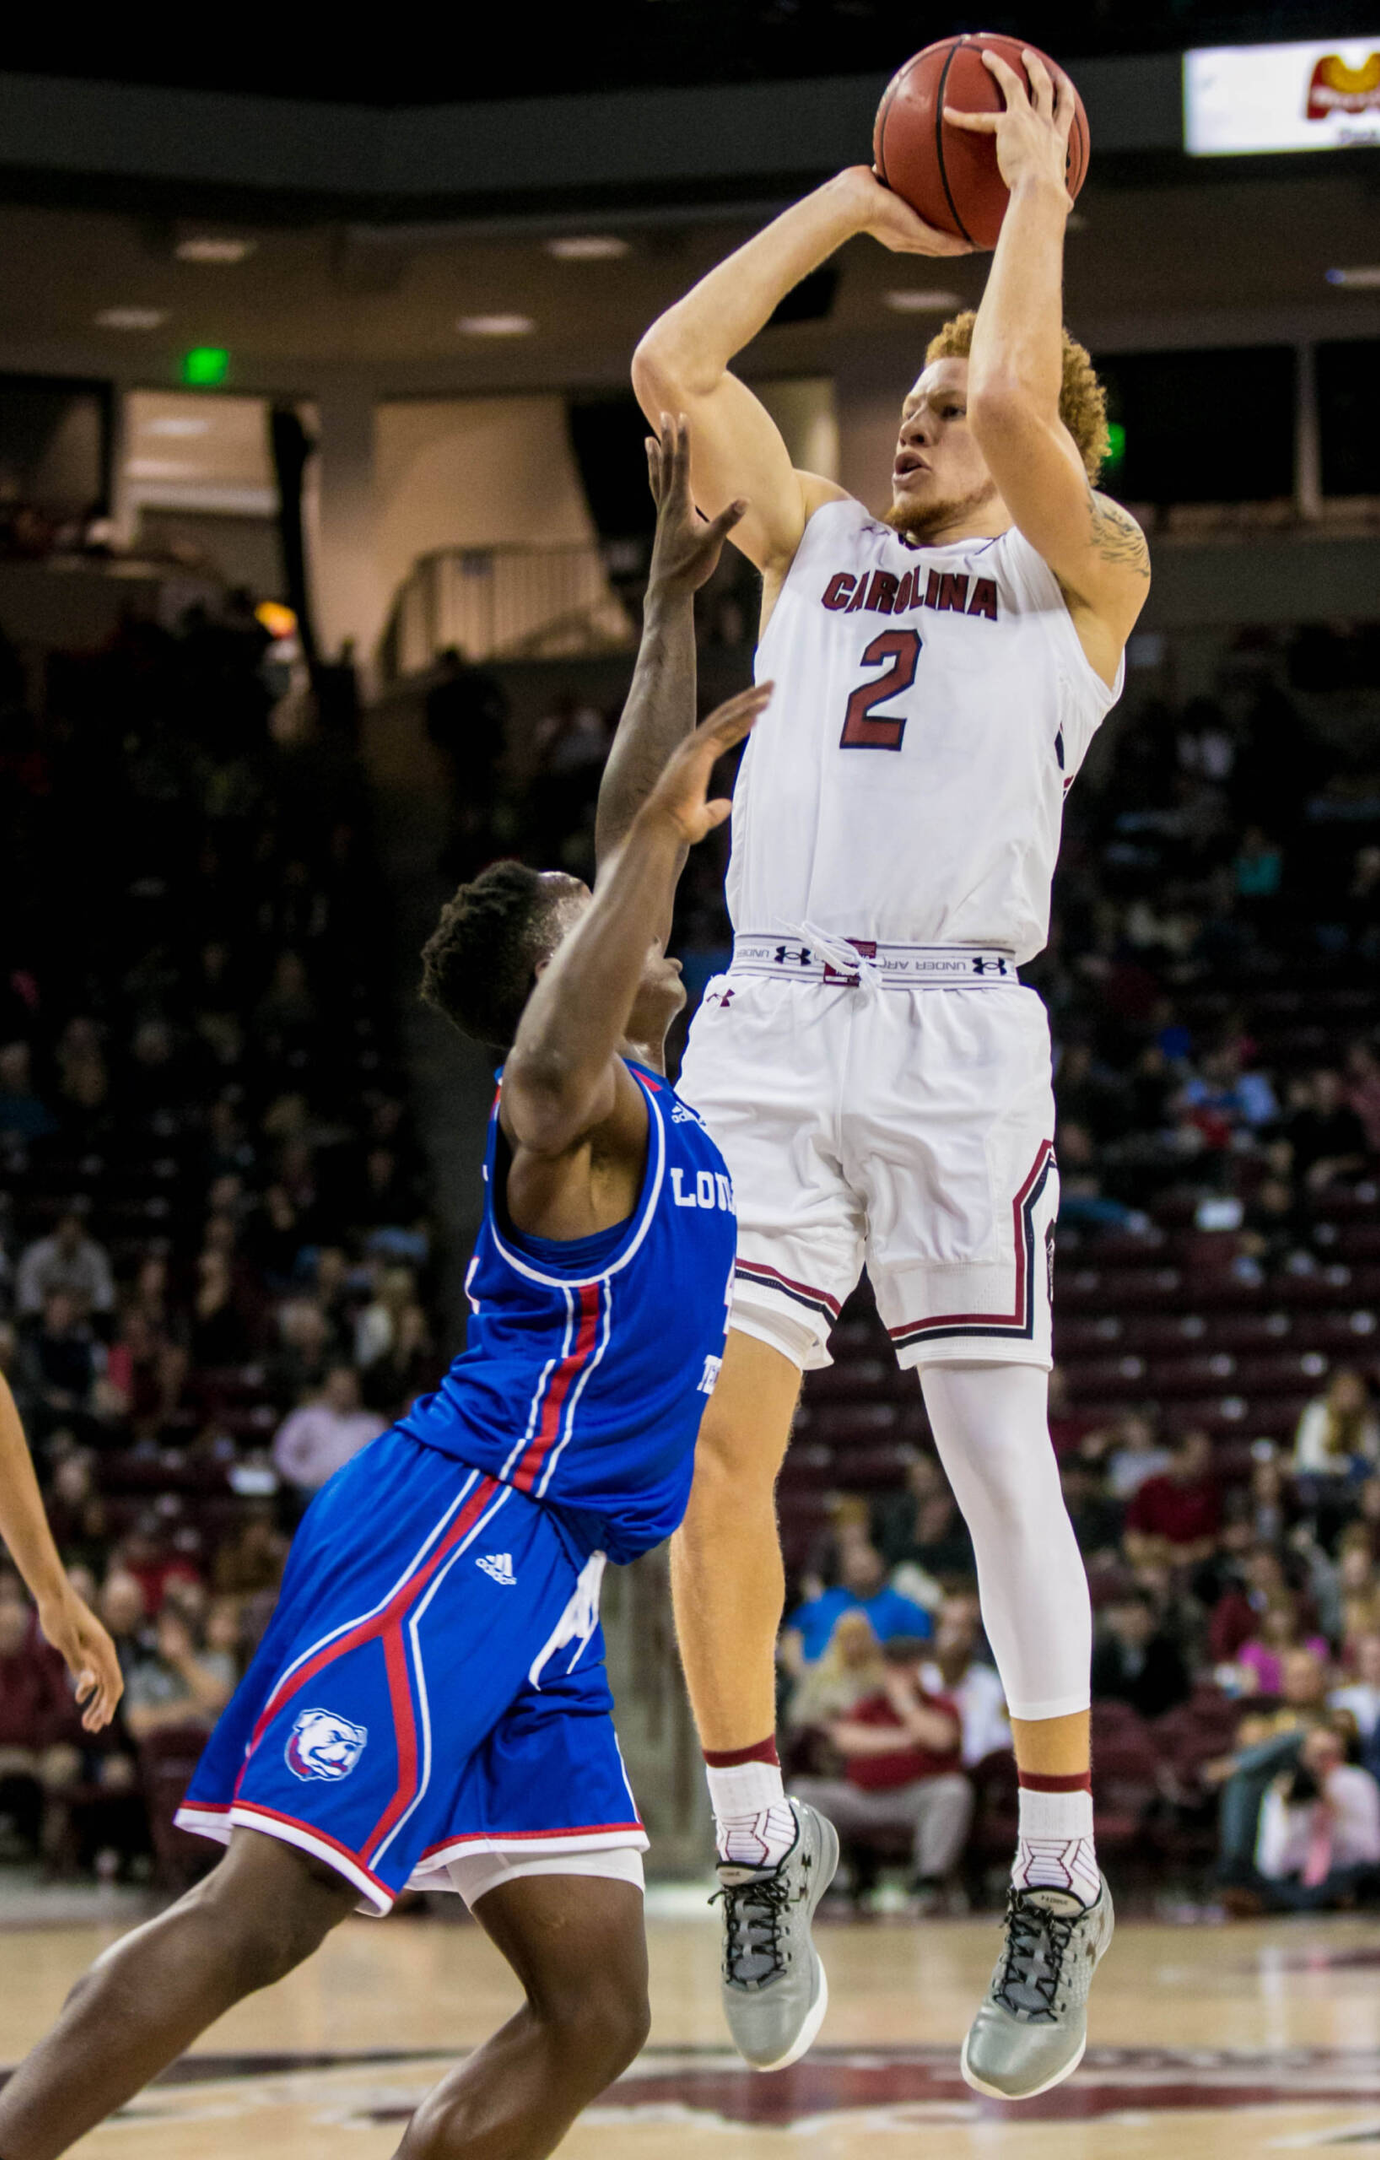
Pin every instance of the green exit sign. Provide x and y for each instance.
(205, 366)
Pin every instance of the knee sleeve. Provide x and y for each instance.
(992, 1432)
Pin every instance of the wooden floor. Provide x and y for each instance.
(1254, 2038)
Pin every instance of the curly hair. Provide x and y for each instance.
(1082, 399)
(477, 964)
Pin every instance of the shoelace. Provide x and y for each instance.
(839, 954)
(754, 1911)
(1036, 1945)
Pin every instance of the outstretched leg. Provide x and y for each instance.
(263, 1910)
(578, 1945)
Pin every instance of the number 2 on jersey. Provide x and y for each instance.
(860, 730)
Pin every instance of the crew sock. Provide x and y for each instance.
(1055, 1849)
(753, 1822)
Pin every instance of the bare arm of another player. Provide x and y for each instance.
(682, 364)
(69, 1625)
(660, 709)
(1095, 548)
(564, 1075)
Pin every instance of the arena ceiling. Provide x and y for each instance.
(626, 43)
(1234, 263)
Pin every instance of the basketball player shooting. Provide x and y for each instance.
(429, 1705)
(871, 1066)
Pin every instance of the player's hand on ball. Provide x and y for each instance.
(687, 547)
(1032, 134)
(893, 222)
(89, 1654)
(680, 798)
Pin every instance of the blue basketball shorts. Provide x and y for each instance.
(431, 1688)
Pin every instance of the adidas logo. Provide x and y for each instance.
(499, 1566)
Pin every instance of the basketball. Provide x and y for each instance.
(948, 176)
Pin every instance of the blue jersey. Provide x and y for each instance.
(589, 1360)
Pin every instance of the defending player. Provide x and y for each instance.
(878, 1079)
(67, 1621)
(429, 1704)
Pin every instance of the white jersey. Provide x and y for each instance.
(932, 706)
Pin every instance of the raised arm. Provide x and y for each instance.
(1095, 549)
(682, 364)
(69, 1625)
(564, 1075)
(660, 709)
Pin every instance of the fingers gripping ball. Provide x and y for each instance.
(948, 176)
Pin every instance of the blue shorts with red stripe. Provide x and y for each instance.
(431, 1685)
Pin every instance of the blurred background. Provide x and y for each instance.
(323, 530)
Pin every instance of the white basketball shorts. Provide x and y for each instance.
(906, 1127)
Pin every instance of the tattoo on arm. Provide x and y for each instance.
(1117, 537)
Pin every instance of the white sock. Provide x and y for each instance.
(753, 1825)
(1055, 1849)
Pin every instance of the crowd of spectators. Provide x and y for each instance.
(215, 1254)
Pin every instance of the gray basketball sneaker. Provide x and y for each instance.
(774, 1990)
(1031, 2030)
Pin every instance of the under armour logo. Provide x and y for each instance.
(796, 955)
(981, 966)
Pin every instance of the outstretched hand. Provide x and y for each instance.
(1032, 133)
(680, 797)
(687, 547)
(89, 1655)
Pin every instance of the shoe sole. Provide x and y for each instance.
(805, 2038)
(994, 2092)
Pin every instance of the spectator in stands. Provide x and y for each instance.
(122, 1610)
(1083, 1204)
(850, 1668)
(1220, 1091)
(1278, 1631)
(148, 1554)
(179, 1682)
(1266, 1743)
(408, 1368)
(57, 1365)
(83, 1075)
(1363, 1083)
(1097, 1520)
(1338, 1434)
(1134, 1453)
(940, 1548)
(307, 1350)
(1327, 1137)
(1235, 1617)
(145, 1371)
(864, 1589)
(955, 1672)
(895, 1514)
(221, 1333)
(39, 1727)
(1359, 1698)
(1134, 1661)
(902, 1772)
(1357, 1588)
(315, 1441)
(24, 1116)
(1177, 1514)
(66, 1260)
(1319, 1839)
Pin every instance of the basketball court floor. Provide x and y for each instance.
(1261, 2037)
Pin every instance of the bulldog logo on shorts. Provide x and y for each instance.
(322, 1745)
